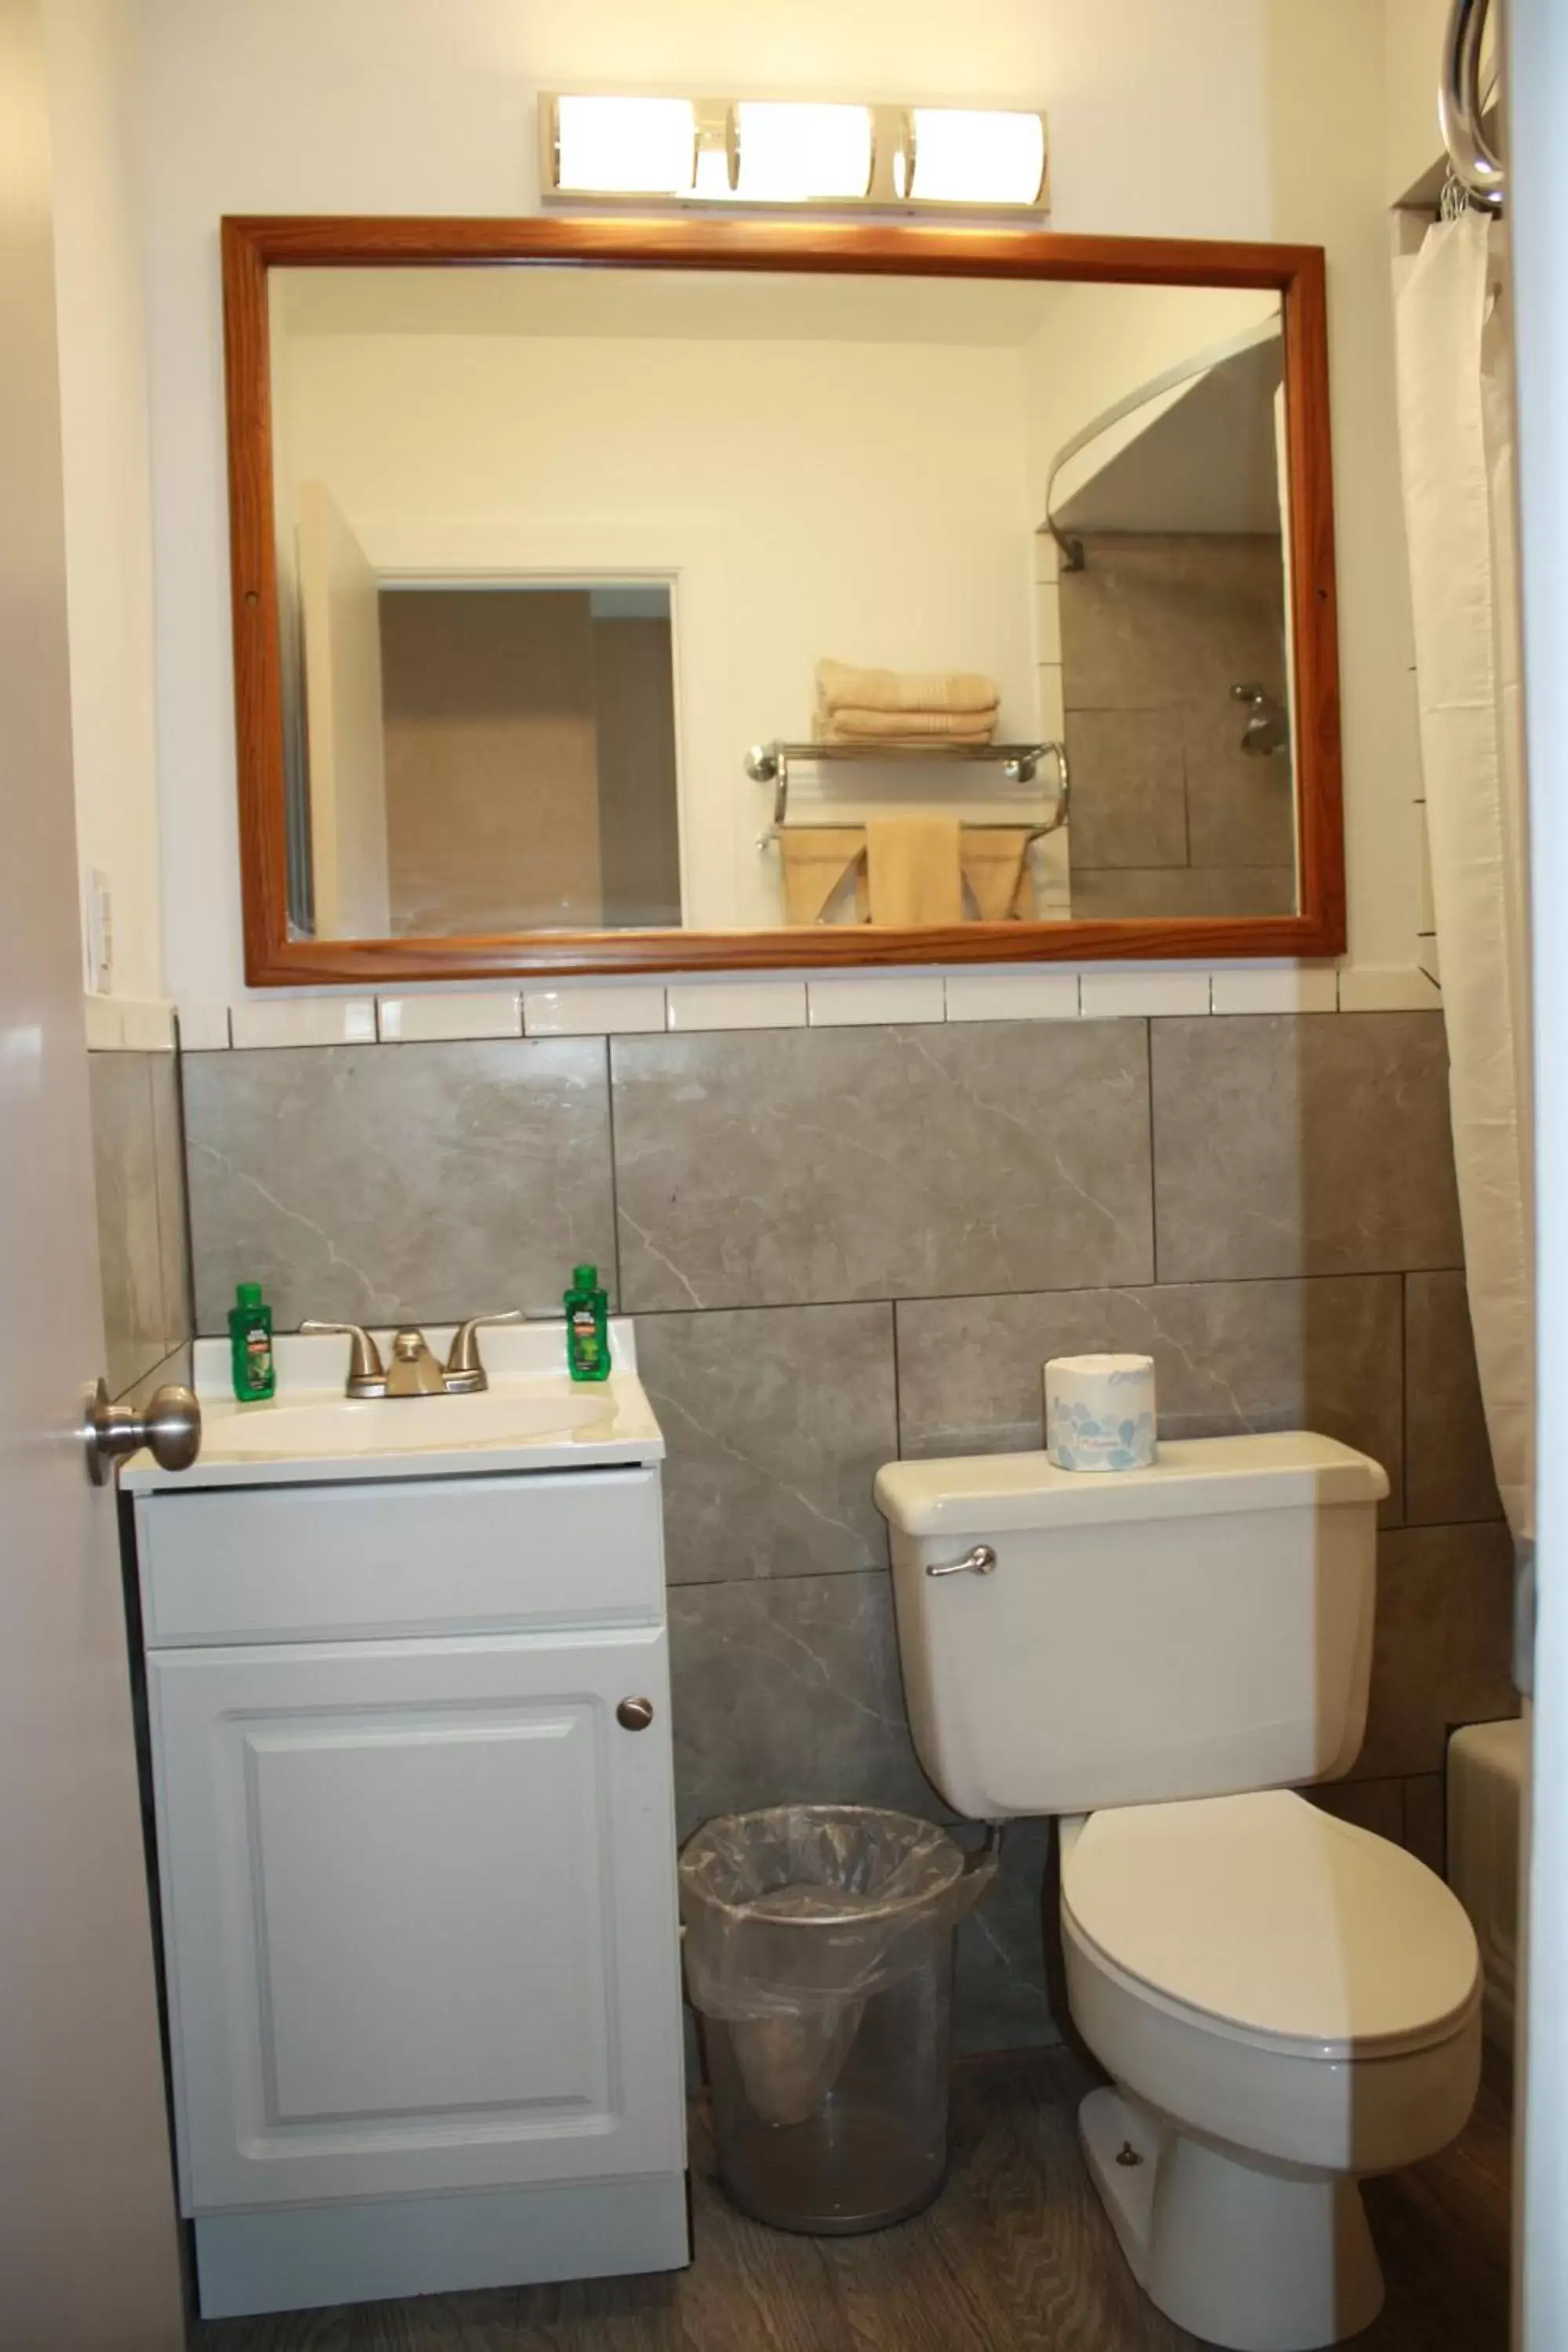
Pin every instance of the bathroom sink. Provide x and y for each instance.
(332, 1425)
(531, 1417)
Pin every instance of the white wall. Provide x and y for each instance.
(103, 420)
(1223, 118)
(865, 501)
(1413, 60)
(1101, 342)
(1325, 105)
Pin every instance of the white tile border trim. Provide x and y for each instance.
(128, 1024)
(1388, 988)
(1012, 995)
(304, 1020)
(438, 1019)
(779, 1000)
(764, 1004)
(103, 1024)
(1048, 623)
(1116, 995)
(203, 1028)
(888, 999)
(1274, 988)
(594, 1009)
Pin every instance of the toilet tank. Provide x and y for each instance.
(1197, 1628)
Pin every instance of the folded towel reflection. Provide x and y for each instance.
(889, 728)
(913, 869)
(819, 863)
(827, 880)
(840, 686)
(993, 861)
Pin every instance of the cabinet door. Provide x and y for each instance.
(419, 1903)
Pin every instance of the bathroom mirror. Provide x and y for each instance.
(701, 595)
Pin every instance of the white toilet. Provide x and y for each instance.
(1284, 2003)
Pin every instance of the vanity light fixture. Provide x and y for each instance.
(624, 146)
(965, 155)
(792, 155)
(778, 151)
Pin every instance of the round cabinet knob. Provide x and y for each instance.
(635, 1714)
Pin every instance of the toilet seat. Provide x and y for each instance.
(1273, 1981)
(1262, 1919)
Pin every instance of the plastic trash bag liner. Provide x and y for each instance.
(797, 1916)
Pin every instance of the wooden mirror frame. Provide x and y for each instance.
(252, 247)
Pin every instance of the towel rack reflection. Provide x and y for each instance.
(769, 763)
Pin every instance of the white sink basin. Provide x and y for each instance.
(531, 1417)
(336, 1425)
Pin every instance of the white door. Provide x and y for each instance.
(340, 611)
(420, 1915)
(1536, 80)
(87, 2250)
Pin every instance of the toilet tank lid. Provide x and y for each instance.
(996, 1494)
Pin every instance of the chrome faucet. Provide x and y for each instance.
(414, 1371)
(464, 1375)
(367, 1376)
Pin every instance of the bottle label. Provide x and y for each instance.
(586, 1337)
(258, 1358)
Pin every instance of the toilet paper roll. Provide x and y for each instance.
(1100, 1411)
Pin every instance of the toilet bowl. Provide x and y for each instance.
(1283, 2002)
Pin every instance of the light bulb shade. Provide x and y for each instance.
(960, 156)
(791, 154)
(625, 146)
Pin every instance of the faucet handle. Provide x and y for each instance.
(465, 1374)
(367, 1374)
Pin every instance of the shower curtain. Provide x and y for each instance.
(1455, 421)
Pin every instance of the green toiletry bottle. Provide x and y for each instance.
(587, 1326)
(250, 1344)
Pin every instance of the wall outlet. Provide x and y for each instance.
(98, 930)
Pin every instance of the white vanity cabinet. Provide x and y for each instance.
(418, 1880)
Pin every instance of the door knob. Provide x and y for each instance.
(635, 1714)
(170, 1429)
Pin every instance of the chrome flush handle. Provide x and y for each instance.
(978, 1562)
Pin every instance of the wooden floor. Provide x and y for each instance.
(1014, 2256)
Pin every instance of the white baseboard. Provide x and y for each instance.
(293, 2258)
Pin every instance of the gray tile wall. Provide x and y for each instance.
(139, 1175)
(841, 1245)
(1170, 816)
(369, 1185)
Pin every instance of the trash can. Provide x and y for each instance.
(819, 1955)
